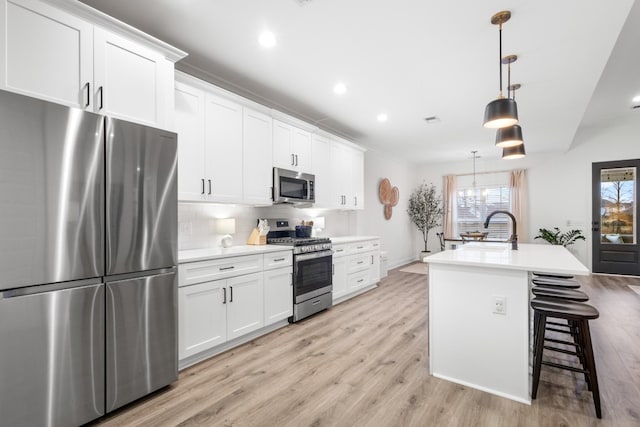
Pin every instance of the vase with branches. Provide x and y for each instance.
(425, 210)
(557, 238)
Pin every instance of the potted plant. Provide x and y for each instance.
(557, 238)
(425, 211)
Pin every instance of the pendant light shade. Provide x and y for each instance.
(503, 111)
(509, 136)
(515, 152)
(500, 113)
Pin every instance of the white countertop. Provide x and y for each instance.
(194, 255)
(528, 257)
(350, 239)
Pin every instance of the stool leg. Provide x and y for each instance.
(537, 353)
(580, 344)
(591, 363)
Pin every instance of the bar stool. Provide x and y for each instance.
(558, 283)
(559, 293)
(577, 314)
(552, 275)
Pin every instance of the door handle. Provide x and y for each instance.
(296, 160)
(88, 86)
(293, 163)
(595, 229)
(316, 302)
(226, 268)
(371, 259)
(224, 290)
(209, 186)
(231, 291)
(355, 200)
(100, 91)
(202, 185)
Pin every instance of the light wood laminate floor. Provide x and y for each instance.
(365, 363)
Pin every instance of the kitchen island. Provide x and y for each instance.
(479, 321)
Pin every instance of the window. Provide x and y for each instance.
(475, 202)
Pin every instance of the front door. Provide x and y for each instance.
(615, 213)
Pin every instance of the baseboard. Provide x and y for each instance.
(402, 262)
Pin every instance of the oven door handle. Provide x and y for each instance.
(313, 255)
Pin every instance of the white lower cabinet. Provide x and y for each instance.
(356, 266)
(223, 299)
(244, 305)
(202, 317)
(278, 295)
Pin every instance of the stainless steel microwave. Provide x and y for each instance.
(293, 187)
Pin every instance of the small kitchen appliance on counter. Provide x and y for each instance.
(312, 268)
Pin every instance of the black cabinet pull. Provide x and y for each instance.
(227, 268)
(293, 162)
(202, 185)
(355, 200)
(209, 186)
(296, 160)
(231, 290)
(371, 259)
(88, 86)
(279, 259)
(360, 262)
(595, 229)
(361, 280)
(100, 91)
(224, 290)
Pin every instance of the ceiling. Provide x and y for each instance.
(410, 59)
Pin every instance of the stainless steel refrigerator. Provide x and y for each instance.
(88, 251)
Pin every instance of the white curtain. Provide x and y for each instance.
(449, 204)
(519, 196)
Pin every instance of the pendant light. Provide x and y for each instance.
(511, 135)
(503, 111)
(515, 152)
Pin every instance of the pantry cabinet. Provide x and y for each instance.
(52, 54)
(324, 171)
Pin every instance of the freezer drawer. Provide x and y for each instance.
(52, 357)
(142, 340)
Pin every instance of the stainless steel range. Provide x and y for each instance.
(312, 269)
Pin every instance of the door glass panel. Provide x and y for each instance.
(618, 206)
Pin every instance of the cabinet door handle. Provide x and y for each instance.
(361, 280)
(88, 87)
(296, 160)
(371, 259)
(278, 260)
(231, 290)
(355, 200)
(360, 247)
(293, 159)
(224, 291)
(227, 268)
(209, 186)
(100, 91)
(202, 185)
(360, 262)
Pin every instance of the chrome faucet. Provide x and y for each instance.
(514, 236)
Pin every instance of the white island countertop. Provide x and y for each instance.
(194, 255)
(528, 257)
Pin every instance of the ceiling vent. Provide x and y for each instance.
(432, 120)
(303, 2)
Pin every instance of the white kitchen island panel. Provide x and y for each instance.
(469, 343)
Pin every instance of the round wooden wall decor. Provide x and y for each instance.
(389, 197)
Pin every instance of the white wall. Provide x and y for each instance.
(559, 183)
(397, 234)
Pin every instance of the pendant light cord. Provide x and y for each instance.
(500, 55)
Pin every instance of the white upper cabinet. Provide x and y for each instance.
(348, 167)
(50, 53)
(46, 53)
(189, 122)
(291, 147)
(257, 150)
(322, 168)
(223, 149)
(131, 81)
(357, 178)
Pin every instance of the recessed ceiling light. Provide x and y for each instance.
(636, 98)
(339, 88)
(382, 117)
(267, 39)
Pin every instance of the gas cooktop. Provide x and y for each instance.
(297, 241)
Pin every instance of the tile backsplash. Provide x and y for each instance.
(196, 222)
